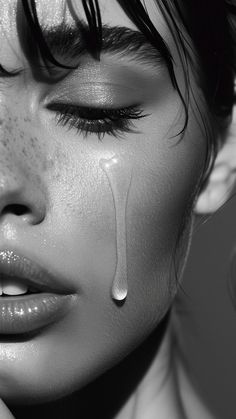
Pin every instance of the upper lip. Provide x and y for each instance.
(30, 273)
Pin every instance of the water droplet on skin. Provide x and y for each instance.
(119, 175)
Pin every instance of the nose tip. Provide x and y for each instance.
(22, 198)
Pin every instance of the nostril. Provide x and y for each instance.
(16, 209)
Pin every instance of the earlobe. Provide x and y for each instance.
(223, 177)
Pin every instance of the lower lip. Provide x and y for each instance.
(28, 313)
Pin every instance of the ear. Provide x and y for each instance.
(223, 176)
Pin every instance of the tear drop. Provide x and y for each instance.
(119, 176)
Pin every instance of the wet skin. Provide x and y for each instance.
(68, 220)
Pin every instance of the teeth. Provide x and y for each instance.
(12, 287)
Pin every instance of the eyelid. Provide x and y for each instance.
(96, 95)
(103, 81)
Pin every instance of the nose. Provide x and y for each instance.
(21, 197)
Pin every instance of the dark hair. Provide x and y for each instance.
(208, 25)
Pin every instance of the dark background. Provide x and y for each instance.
(208, 317)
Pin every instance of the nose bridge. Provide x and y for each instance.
(22, 191)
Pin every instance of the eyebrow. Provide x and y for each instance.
(69, 42)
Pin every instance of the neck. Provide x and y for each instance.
(141, 386)
(156, 395)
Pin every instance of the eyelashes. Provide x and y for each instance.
(88, 120)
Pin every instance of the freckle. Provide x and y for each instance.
(5, 142)
(24, 151)
(48, 164)
(34, 142)
(21, 134)
(9, 128)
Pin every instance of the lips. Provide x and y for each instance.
(50, 302)
(30, 273)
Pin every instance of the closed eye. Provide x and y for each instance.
(101, 121)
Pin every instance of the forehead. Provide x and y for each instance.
(52, 13)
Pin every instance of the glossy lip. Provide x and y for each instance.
(20, 314)
(31, 274)
(31, 313)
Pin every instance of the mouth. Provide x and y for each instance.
(30, 296)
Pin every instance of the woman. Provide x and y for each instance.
(112, 114)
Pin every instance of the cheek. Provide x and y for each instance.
(155, 217)
(159, 193)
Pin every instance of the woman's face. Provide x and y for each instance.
(78, 217)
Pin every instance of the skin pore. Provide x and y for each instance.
(68, 223)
